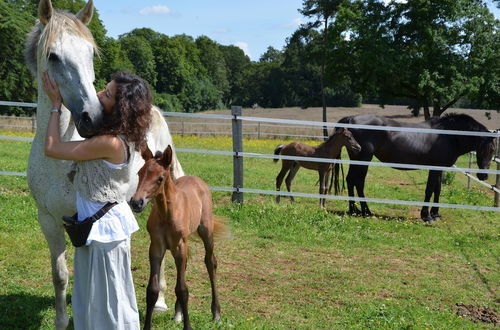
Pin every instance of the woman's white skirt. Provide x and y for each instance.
(103, 292)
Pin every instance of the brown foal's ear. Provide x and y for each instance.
(166, 159)
(146, 153)
(85, 15)
(45, 11)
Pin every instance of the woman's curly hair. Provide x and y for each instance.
(131, 114)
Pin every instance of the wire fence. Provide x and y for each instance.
(238, 155)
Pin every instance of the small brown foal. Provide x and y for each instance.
(182, 207)
(331, 149)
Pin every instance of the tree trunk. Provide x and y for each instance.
(427, 113)
(322, 79)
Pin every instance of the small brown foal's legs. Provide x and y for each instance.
(179, 253)
(156, 254)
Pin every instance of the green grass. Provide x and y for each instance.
(288, 265)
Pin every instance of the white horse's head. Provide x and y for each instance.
(62, 44)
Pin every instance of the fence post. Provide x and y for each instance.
(237, 159)
(33, 124)
(497, 184)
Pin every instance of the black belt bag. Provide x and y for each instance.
(78, 231)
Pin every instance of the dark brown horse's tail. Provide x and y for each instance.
(335, 178)
(277, 151)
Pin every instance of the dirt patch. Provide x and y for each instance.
(483, 314)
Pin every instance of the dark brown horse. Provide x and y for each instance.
(329, 149)
(415, 148)
(181, 208)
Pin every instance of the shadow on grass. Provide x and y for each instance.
(374, 215)
(23, 310)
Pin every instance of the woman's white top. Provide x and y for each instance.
(117, 224)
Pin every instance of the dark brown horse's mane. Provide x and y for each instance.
(458, 121)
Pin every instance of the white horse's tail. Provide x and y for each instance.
(159, 138)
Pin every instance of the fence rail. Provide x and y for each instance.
(237, 132)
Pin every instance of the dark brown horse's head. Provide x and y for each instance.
(347, 140)
(152, 177)
(484, 154)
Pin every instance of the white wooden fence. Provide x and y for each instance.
(238, 155)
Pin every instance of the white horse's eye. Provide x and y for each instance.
(53, 57)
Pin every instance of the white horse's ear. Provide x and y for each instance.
(45, 11)
(85, 15)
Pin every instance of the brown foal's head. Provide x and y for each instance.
(348, 140)
(152, 177)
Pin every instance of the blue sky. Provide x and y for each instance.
(251, 25)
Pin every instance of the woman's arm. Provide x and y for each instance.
(106, 147)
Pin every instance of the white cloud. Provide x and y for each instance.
(295, 23)
(155, 10)
(244, 46)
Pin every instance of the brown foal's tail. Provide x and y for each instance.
(221, 230)
(277, 151)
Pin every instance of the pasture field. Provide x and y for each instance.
(288, 265)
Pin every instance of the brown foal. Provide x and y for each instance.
(181, 208)
(329, 149)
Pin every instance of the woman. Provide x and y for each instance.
(103, 292)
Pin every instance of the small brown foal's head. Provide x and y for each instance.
(347, 139)
(152, 176)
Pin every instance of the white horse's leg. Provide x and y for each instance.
(54, 234)
(161, 305)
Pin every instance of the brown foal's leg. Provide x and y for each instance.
(181, 290)
(285, 167)
(291, 175)
(157, 250)
(211, 264)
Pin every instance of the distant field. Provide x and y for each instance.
(289, 265)
(262, 130)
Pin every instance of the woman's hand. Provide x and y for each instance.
(52, 89)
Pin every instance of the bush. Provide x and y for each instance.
(167, 102)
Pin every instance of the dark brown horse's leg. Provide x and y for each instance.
(289, 178)
(285, 167)
(430, 188)
(437, 192)
(356, 177)
(211, 264)
(181, 289)
(156, 254)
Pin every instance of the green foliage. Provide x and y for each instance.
(434, 52)
(140, 53)
(428, 54)
(167, 102)
(16, 82)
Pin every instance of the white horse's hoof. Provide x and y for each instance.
(160, 307)
(178, 317)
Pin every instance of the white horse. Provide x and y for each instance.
(61, 44)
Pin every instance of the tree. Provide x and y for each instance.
(16, 82)
(272, 55)
(323, 10)
(140, 54)
(235, 62)
(433, 52)
(214, 63)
